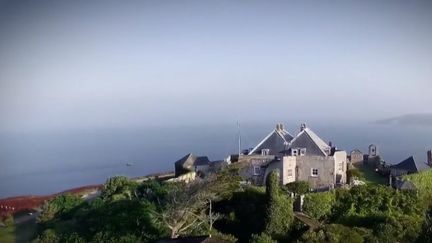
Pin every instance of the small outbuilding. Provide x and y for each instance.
(191, 163)
(408, 166)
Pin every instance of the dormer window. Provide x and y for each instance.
(303, 152)
(265, 152)
(294, 152)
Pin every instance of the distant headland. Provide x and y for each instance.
(424, 119)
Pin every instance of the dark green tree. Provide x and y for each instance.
(118, 188)
(279, 216)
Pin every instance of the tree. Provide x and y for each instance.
(333, 233)
(60, 205)
(298, 187)
(182, 209)
(279, 208)
(118, 188)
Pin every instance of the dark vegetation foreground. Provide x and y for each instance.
(222, 207)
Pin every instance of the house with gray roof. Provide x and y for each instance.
(309, 158)
(274, 143)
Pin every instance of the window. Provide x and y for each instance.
(294, 152)
(257, 170)
(341, 166)
(314, 172)
(265, 152)
(289, 173)
(303, 152)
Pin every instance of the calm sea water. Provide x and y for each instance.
(44, 163)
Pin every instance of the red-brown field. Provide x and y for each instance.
(13, 205)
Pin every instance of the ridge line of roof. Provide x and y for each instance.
(262, 141)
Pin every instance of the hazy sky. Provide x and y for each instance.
(76, 64)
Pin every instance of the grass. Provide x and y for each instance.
(422, 181)
(371, 176)
(7, 235)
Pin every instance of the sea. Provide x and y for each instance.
(41, 163)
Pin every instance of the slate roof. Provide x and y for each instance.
(276, 141)
(410, 165)
(313, 143)
(188, 162)
(405, 185)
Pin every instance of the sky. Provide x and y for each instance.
(90, 64)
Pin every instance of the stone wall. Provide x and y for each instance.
(326, 170)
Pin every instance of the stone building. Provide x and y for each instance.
(373, 151)
(309, 158)
(356, 157)
(191, 163)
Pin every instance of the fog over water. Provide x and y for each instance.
(87, 86)
(47, 163)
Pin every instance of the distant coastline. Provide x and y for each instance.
(408, 119)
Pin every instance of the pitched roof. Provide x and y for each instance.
(313, 143)
(405, 185)
(275, 141)
(192, 160)
(410, 165)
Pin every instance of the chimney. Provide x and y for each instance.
(429, 157)
(302, 127)
(281, 126)
(330, 144)
(277, 126)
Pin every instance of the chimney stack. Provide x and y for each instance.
(429, 157)
(302, 127)
(281, 126)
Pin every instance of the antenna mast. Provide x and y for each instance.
(239, 138)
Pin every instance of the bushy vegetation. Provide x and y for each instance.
(319, 205)
(422, 181)
(219, 205)
(297, 187)
(279, 215)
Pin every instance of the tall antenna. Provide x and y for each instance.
(239, 137)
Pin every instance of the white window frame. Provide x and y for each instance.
(255, 168)
(294, 152)
(314, 174)
(265, 152)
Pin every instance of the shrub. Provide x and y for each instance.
(319, 205)
(279, 208)
(298, 187)
(262, 238)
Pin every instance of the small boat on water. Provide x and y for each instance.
(129, 164)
